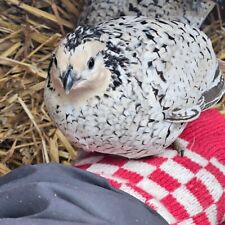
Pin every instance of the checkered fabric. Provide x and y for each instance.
(184, 190)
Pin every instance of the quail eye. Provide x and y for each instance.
(91, 63)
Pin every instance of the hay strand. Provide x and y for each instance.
(44, 149)
(40, 13)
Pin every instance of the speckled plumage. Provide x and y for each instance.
(187, 11)
(149, 78)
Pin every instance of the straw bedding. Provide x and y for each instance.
(29, 31)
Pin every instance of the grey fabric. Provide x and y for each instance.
(53, 194)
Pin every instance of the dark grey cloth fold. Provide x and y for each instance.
(53, 194)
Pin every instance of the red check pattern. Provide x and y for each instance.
(184, 190)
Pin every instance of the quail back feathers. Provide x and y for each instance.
(187, 11)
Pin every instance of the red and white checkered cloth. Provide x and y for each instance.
(183, 190)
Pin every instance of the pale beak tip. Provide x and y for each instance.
(67, 91)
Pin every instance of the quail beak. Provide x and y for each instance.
(68, 80)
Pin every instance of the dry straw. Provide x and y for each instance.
(29, 31)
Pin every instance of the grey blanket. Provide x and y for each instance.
(53, 194)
